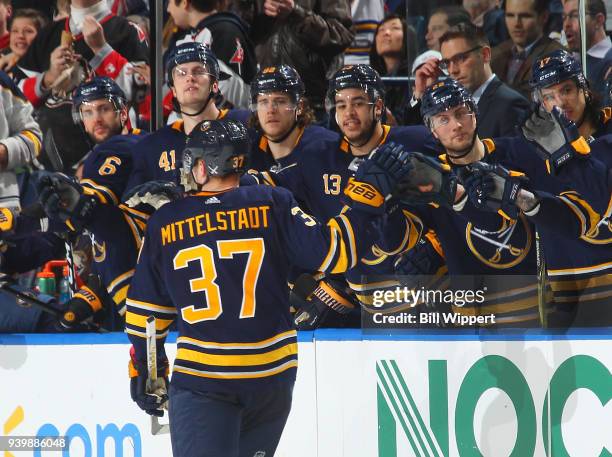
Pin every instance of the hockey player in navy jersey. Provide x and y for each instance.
(475, 243)
(100, 108)
(557, 80)
(217, 262)
(322, 171)
(578, 273)
(282, 118)
(192, 72)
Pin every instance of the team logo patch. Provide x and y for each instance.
(502, 249)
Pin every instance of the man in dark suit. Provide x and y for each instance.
(512, 60)
(466, 57)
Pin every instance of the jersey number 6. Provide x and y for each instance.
(254, 248)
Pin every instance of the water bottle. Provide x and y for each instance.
(45, 283)
(64, 286)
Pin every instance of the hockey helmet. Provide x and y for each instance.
(360, 76)
(98, 88)
(223, 145)
(554, 68)
(282, 78)
(444, 95)
(193, 52)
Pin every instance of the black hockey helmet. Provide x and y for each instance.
(282, 78)
(98, 88)
(554, 68)
(359, 76)
(223, 145)
(193, 52)
(444, 95)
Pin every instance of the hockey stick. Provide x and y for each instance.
(156, 427)
(541, 266)
(51, 150)
(24, 298)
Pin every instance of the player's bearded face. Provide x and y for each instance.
(276, 112)
(191, 84)
(454, 128)
(354, 114)
(101, 119)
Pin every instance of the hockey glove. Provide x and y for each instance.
(377, 177)
(82, 306)
(493, 187)
(556, 138)
(149, 398)
(63, 198)
(422, 259)
(153, 193)
(8, 218)
(429, 181)
(313, 300)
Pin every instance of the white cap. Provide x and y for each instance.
(422, 58)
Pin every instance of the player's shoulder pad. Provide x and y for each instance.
(156, 140)
(415, 137)
(240, 115)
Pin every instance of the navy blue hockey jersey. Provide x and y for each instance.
(108, 166)
(158, 157)
(218, 262)
(576, 239)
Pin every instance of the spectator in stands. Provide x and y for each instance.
(25, 25)
(20, 140)
(392, 54)
(599, 45)
(440, 21)
(227, 35)
(5, 13)
(487, 15)
(466, 57)
(512, 60)
(366, 15)
(57, 61)
(308, 35)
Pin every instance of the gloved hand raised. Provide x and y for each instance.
(63, 198)
(556, 138)
(377, 177)
(491, 187)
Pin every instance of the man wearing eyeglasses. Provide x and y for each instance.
(599, 45)
(466, 57)
(512, 60)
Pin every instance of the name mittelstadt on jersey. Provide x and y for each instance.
(235, 219)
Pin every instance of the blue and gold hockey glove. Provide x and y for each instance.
(429, 181)
(377, 177)
(422, 259)
(82, 307)
(153, 193)
(8, 218)
(491, 187)
(556, 138)
(313, 300)
(151, 399)
(63, 198)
